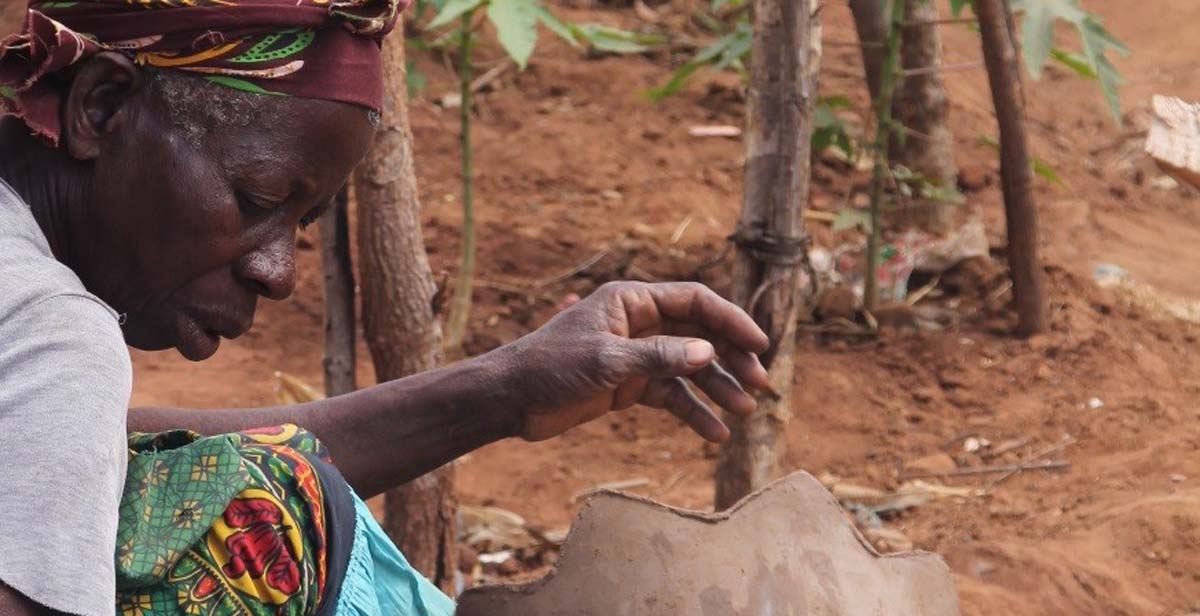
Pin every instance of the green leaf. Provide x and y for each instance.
(849, 218)
(678, 78)
(1038, 43)
(452, 10)
(1075, 62)
(615, 40)
(956, 6)
(557, 26)
(727, 51)
(1040, 167)
(516, 27)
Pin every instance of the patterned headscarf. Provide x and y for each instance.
(326, 49)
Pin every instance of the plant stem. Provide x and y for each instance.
(883, 132)
(460, 308)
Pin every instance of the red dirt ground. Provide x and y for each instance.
(570, 157)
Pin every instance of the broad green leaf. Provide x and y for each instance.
(1037, 36)
(556, 26)
(453, 9)
(1038, 43)
(516, 27)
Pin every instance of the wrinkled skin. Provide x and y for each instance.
(184, 240)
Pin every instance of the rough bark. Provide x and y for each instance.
(768, 279)
(919, 103)
(399, 325)
(921, 106)
(1016, 173)
(339, 362)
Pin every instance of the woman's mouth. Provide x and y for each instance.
(196, 342)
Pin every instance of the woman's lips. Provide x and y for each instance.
(196, 342)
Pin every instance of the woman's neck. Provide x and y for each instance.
(55, 186)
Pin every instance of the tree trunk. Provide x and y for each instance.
(919, 103)
(1016, 173)
(340, 332)
(771, 241)
(870, 20)
(398, 321)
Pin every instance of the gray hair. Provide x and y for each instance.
(195, 103)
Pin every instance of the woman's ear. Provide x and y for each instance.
(100, 88)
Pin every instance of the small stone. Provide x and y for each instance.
(641, 231)
(509, 567)
(935, 463)
(837, 303)
(1095, 404)
(611, 195)
(1164, 182)
(924, 395)
(467, 558)
(974, 177)
(1177, 478)
(896, 315)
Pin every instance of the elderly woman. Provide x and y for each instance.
(159, 156)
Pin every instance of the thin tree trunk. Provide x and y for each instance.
(401, 331)
(926, 145)
(919, 104)
(340, 332)
(870, 20)
(767, 274)
(1016, 174)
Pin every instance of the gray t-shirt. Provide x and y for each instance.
(65, 382)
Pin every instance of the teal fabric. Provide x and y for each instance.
(380, 582)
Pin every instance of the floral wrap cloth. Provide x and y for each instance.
(245, 524)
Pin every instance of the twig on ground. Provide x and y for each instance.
(989, 469)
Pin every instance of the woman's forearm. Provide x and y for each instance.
(386, 435)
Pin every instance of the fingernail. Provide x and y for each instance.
(698, 352)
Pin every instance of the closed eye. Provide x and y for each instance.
(311, 217)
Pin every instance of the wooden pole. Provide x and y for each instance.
(400, 328)
(768, 276)
(1016, 173)
(340, 332)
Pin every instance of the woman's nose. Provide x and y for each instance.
(271, 269)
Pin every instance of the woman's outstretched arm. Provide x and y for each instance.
(628, 343)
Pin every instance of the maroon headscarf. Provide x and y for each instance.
(327, 49)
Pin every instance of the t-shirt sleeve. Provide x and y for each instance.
(65, 382)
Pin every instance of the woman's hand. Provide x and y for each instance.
(635, 343)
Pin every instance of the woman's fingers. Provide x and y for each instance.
(651, 308)
(724, 390)
(675, 396)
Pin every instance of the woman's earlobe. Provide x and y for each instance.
(98, 91)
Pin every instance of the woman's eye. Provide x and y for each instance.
(251, 205)
(310, 218)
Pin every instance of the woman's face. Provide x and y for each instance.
(185, 237)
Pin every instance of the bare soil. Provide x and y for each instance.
(571, 156)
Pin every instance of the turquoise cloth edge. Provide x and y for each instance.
(380, 582)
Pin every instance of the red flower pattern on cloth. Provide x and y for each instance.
(260, 546)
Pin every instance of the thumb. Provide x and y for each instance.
(669, 356)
